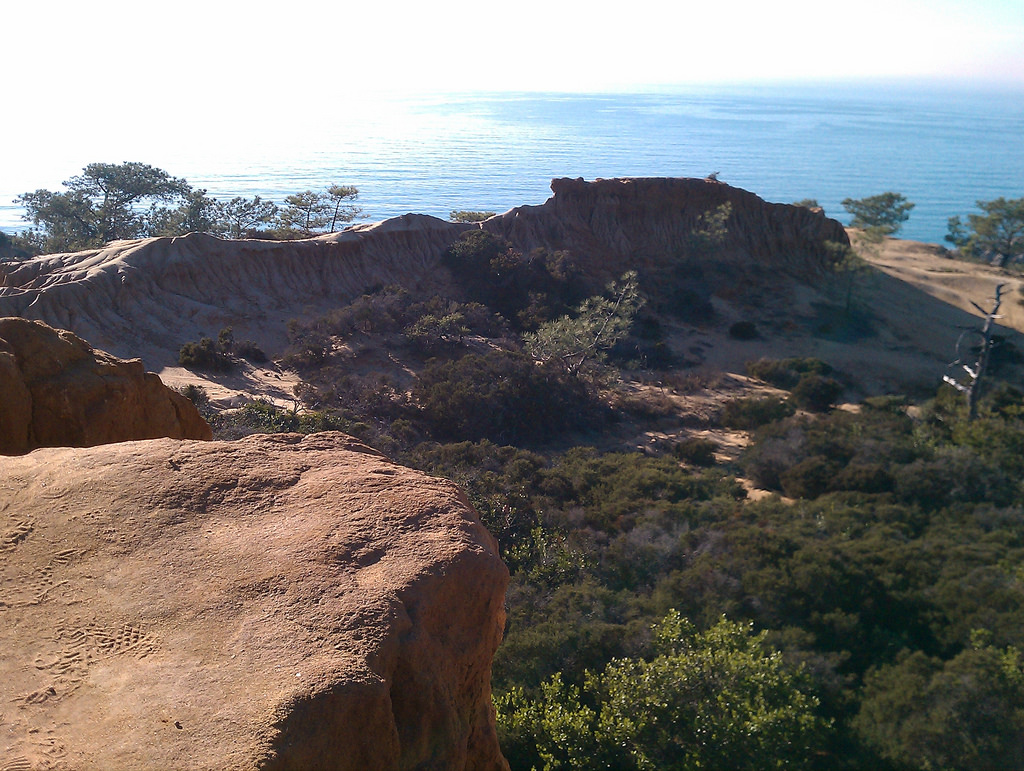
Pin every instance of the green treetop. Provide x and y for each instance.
(998, 233)
(106, 202)
(879, 215)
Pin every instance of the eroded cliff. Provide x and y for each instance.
(146, 298)
(623, 222)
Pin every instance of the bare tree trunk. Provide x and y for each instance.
(972, 389)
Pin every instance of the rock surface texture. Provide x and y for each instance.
(56, 390)
(147, 297)
(271, 603)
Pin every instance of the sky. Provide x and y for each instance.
(111, 54)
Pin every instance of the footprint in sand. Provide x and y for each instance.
(16, 535)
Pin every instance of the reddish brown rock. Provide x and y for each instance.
(59, 391)
(621, 224)
(272, 603)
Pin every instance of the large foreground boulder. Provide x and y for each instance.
(272, 603)
(56, 390)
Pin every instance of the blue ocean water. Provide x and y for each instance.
(942, 148)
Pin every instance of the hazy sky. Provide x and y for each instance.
(110, 54)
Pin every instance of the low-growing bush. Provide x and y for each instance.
(266, 417)
(864, 478)
(809, 478)
(502, 396)
(430, 333)
(955, 474)
(647, 326)
(696, 450)
(637, 353)
(250, 351)
(308, 350)
(646, 405)
(204, 355)
(262, 416)
(526, 289)
(753, 412)
(198, 396)
(816, 393)
(786, 373)
(219, 356)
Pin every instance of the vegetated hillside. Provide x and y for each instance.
(711, 563)
(651, 433)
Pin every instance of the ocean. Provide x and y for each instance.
(944, 149)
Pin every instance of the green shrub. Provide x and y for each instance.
(786, 373)
(266, 417)
(250, 351)
(696, 450)
(865, 450)
(865, 478)
(314, 421)
(776, 448)
(713, 699)
(526, 290)
(954, 474)
(809, 478)
(501, 396)
(888, 403)
(19, 247)
(753, 412)
(616, 490)
(204, 355)
(430, 333)
(461, 215)
(476, 318)
(379, 312)
(309, 348)
(816, 392)
(218, 356)
(636, 353)
(966, 713)
(196, 394)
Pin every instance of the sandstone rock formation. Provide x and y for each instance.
(272, 603)
(147, 297)
(59, 391)
(630, 220)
